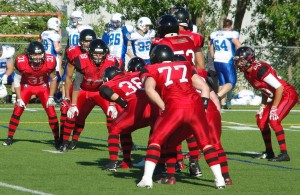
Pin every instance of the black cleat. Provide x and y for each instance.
(225, 107)
(72, 145)
(111, 166)
(57, 143)
(265, 155)
(280, 157)
(194, 168)
(63, 148)
(8, 141)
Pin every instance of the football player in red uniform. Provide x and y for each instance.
(85, 95)
(85, 38)
(183, 18)
(263, 77)
(171, 86)
(125, 90)
(213, 116)
(168, 34)
(31, 78)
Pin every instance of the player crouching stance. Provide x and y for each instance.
(284, 97)
(182, 114)
(31, 78)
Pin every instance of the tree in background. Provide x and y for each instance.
(24, 24)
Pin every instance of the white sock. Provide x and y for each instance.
(216, 169)
(148, 170)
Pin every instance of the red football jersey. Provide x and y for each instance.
(127, 86)
(180, 44)
(72, 52)
(173, 82)
(92, 79)
(259, 71)
(32, 77)
(196, 37)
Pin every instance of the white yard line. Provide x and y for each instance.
(19, 188)
(243, 127)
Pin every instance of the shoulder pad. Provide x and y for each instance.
(21, 62)
(50, 61)
(7, 52)
(81, 62)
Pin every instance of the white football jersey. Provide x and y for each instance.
(141, 44)
(223, 45)
(7, 54)
(48, 38)
(73, 34)
(116, 42)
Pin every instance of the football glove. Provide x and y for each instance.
(273, 113)
(20, 103)
(50, 101)
(112, 111)
(64, 105)
(260, 112)
(4, 79)
(72, 111)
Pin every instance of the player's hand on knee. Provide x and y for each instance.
(50, 101)
(112, 111)
(273, 113)
(73, 111)
(260, 112)
(20, 103)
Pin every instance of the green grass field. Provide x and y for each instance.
(29, 166)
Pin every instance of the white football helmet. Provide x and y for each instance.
(76, 18)
(54, 23)
(116, 20)
(143, 22)
(3, 91)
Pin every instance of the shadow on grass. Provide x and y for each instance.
(137, 173)
(240, 154)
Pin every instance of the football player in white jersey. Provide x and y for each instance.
(75, 27)
(73, 30)
(140, 40)
(52, 42)
(117, 37)
(223, 44)
(7, 66)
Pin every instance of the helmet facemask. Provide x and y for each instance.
(36, 60)
(98, 56)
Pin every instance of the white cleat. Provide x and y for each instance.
(220, 183)
(145, 184)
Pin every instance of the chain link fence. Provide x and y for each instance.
(285, 60)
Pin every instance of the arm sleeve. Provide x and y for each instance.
(77, 81)
(106, 92)
(17, 78)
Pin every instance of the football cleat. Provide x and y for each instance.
(57, 143)
(111, 166)
(64, 148)
(228, 181)
(8, 141)
(125, 165)
(220, 183)
(280, 157)
(72, 145)
(166, 180)
(225, 107)
(194, 168)
(265, 155)
(145, 184)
